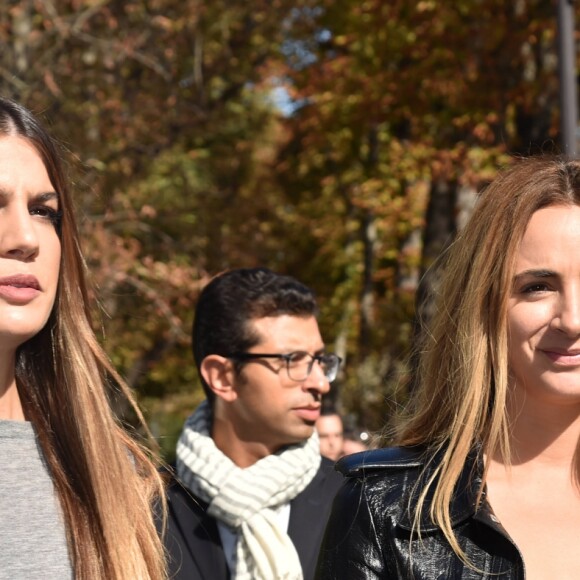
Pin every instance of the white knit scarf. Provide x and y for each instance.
(246, 499)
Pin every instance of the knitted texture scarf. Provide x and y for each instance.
(246, 499)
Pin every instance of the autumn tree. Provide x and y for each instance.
(393, 114)
(166, 109)
(402, 110)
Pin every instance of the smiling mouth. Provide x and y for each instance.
(565, 358)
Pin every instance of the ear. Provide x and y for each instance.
(218, 372)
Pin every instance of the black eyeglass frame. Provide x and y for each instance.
(328, 360)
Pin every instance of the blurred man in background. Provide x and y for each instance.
(335, 440)
(331, 435)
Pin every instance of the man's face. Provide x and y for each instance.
(329, 429)
(270, 408)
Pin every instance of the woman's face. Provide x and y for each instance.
(29, 244)
(544, 308)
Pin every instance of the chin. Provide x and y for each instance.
(294, 438)
(304, 434)
(15, 337)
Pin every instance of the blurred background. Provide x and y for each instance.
(338, 141)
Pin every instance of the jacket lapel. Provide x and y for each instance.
(309, 512)
(201, 551)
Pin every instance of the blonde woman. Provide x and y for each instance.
(76, 490)
(484, 481)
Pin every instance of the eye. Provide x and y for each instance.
(297, 358)
(47, 213)
(535, 288)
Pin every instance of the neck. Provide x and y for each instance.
(243, 453)
(10, 405)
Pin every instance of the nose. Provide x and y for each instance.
(316, 380)
(567, 319)
(18, 236)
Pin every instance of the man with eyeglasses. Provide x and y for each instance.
(252, 494)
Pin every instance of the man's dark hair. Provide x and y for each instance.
(233, 299)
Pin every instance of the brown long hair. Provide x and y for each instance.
(459, 401)
(105, 480)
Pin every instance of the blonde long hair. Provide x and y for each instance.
(460, 391)
(105, 481)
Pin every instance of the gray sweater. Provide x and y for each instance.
(33, 539)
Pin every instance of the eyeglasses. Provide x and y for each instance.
(299, 364)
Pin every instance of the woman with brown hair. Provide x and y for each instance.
(484, 479)
(76, 488)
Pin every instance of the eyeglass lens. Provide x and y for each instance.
(301, 363)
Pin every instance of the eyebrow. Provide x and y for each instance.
(318, 351)
(541, 273)
(43, 196)
(47, 196)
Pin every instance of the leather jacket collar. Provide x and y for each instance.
(465, 498)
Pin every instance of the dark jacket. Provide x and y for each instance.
(193, 542)
(369, 531)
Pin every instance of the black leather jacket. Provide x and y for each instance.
(369, 531)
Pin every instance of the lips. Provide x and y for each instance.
(563, 357)
(308, 413)
(19, 289)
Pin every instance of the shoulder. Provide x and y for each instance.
(182, 504)
(389, 459)
(329, 472)
(325, 483)
(378, 483)
(390, 480)
(382, 482)
(191, 537)
(368, 511)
